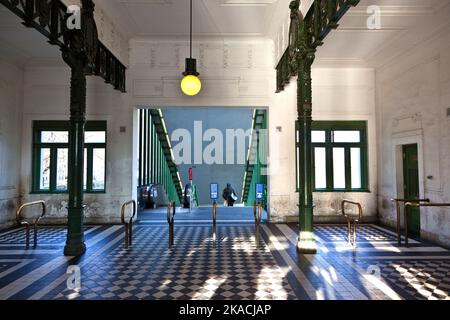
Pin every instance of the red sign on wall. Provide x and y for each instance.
(190, 174)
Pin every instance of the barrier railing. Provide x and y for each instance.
(418, 205)
(22, 221)
(214, 207)
(397, 205)
(128, 224)
(352, 219)
(171, 220)
(257, 214)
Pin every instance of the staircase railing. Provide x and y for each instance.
(156, 160)
(49, 18)
(256, 159)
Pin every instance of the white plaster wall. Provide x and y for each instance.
(338, 94)
(46, 97)
(235, 73)
(11, 102)
(413, 94)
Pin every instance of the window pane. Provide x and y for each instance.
(54, 136)
(356, 167)
(44, 175)
(95, 137)
(62, 170)
(339, 168)
(318, 136)
(297, 150)
(347, 136)
(85, 170)
(98, 169)
(320, 168)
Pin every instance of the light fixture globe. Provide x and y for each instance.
(191, 84)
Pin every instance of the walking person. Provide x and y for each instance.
(229, 195)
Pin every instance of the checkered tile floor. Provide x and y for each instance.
(228, 265)
(232, 267)
(364, 233)
(46, 235)
(421, 279)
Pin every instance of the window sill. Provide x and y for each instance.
(64, 192)
(342, 191)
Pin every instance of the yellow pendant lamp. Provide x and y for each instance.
(191, 84)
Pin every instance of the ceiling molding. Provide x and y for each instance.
(389, 11)
(146, 2)
(247, 3)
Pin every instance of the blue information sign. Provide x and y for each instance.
(214, 191)
(259, 191)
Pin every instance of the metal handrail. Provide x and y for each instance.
(360, 210)
(410, 200)
(171, 221)
(128, 224)
(351, 219)
(418, 205)
(257, 213)
(397, 205)
(22, 221)
(214, 213)
(414, 204)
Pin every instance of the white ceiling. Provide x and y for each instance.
(24, 46)
(404, 24)
(141, 18)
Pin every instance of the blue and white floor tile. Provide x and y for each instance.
(230, 263)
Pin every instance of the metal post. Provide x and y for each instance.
(75, 233)
(171, 220)
(349, 228)
(399, 236)
(214, 213)
(27, 232)
(405, 222)
(127, 237)
(305, 59)
(80, 55)
(258, 216)
(130, 234)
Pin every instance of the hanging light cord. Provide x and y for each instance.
(191, 33)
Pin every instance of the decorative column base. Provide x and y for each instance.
(306, 243)
(74, 249)
(75, 245)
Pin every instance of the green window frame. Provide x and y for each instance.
(336, 143)
(52, 151)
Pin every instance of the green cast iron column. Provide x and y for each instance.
(75, 234)
(306, 242)
(79, 54)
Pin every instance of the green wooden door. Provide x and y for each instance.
(411, 185)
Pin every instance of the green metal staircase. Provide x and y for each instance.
(49, 18)
(156, 160)
(256, 167)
